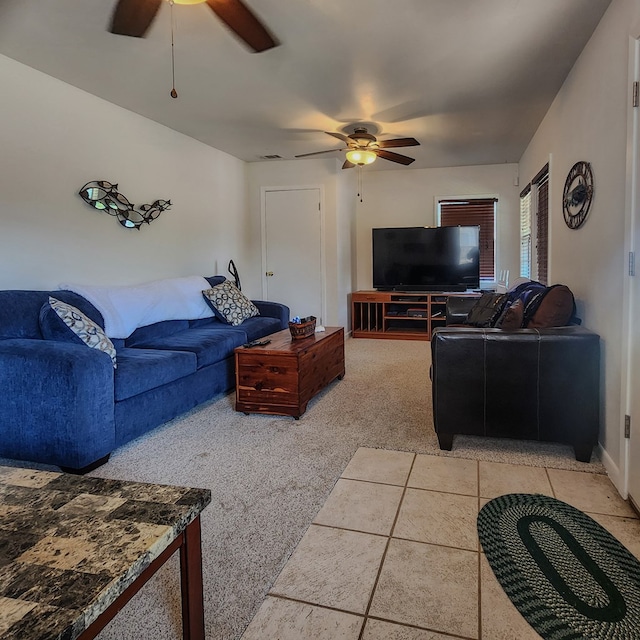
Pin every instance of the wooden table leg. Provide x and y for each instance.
(110, 613)
(191, 583)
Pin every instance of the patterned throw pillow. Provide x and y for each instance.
(229, 304)
(56, 315)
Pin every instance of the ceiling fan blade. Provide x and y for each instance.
(340, 136)
(315, 153)
(133, 17)
(348, 165)
(398, 142)
(394, 157)
(243, 22)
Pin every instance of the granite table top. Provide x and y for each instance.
(70, 545)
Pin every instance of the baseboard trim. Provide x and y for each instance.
(613, 471)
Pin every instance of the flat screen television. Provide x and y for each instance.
(426, 258)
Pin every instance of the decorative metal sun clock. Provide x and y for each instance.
(104, 196)
(577, 195)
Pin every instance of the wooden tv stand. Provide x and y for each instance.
(399, 315)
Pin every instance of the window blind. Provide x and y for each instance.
(525, 232)
(542, 224)
(474, 212)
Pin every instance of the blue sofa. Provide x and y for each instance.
(64, 404)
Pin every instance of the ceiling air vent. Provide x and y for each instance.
(273, 156)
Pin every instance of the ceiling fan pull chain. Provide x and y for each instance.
(359, 170)
(174, 93)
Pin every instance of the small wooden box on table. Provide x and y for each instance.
(282, 376)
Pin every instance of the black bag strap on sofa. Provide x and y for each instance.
(458, 307)
(532, 384)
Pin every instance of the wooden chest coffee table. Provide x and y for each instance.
(282, 376)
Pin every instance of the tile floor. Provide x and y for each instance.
(394, 555)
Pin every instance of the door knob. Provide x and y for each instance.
(269, 273)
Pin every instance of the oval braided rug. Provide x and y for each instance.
(567, 575)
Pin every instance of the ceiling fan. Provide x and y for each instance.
(134, 17)
(363, 148)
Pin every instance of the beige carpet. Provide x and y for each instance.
(270, 475)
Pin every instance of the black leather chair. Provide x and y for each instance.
(533, 384)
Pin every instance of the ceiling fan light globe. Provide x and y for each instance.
(361, 156)
(188, 1)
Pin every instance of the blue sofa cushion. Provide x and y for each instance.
(206, 322)
(260, 326)
(273, 310)
(251, 329)
(65, 323)
(142, 369)
(229, 304)
(143, 335)
(210, 345)
(20, 310)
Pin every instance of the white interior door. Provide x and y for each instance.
(292, 255)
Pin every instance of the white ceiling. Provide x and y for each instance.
(470, 79)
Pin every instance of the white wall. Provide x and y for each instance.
(588, 121)
(339, 213)
(54, 138)
(406, 198)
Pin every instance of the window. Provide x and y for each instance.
(535, 197)
(474, 212)
(525, 232)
